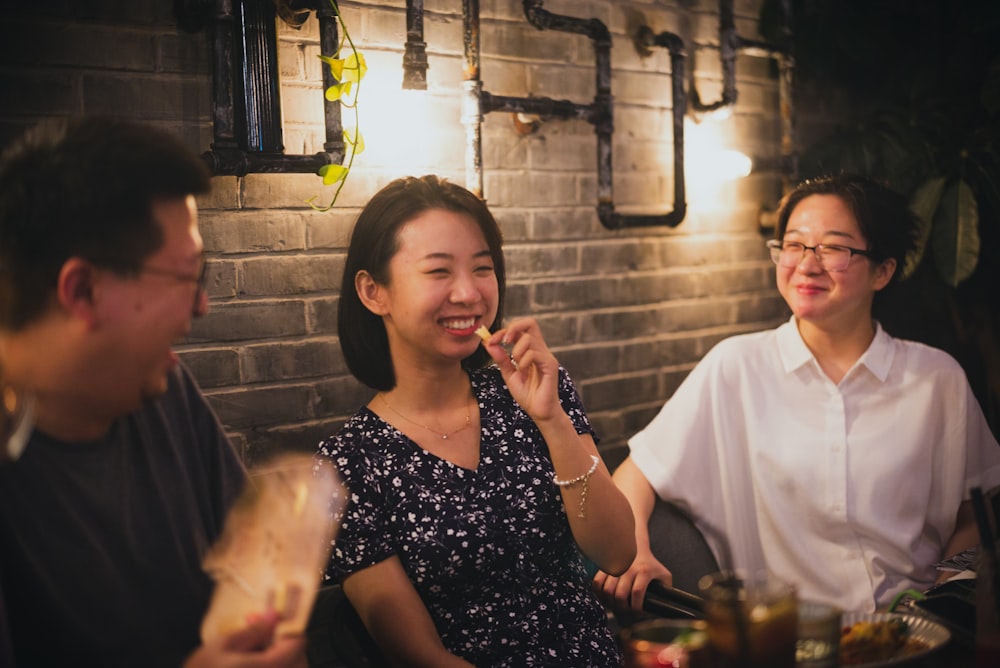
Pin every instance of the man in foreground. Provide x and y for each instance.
(126, 479)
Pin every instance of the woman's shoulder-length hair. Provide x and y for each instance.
(373, 243)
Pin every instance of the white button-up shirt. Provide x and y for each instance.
(850, 491)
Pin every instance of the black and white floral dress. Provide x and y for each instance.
(489, 550)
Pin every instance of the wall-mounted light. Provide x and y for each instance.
(730, 45)
(396, 121)
(711, 163)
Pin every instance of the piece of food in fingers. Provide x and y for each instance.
(484, 333)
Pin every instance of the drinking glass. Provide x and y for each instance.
(820, 628)
(752, 620)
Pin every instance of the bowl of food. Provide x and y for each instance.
(875, 640)
(666, 643)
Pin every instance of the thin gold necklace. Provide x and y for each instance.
(468, 419)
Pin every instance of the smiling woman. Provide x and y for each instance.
(837, 428)
(463, 466)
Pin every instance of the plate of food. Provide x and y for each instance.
(879, 639)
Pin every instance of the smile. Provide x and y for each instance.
(456, 323)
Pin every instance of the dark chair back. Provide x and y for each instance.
(680, 545)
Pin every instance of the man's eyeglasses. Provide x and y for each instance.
(830, 257)
(200, 279)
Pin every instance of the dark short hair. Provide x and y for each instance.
(84, 187)
(882, 214)
(374, 242)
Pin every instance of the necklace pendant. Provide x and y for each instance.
(444, 436)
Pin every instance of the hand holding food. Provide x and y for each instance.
(533, 371)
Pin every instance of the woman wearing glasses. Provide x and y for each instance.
(825, 451)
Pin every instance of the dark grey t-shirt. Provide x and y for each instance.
(101, 542)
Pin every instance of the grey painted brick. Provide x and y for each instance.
(322, 315)
(517, 300)
(263, 443)
(541, 260)
(220, 279)
(591, 362)
(661, 352)
(618, 391)
(225, 194)
(279, 275)
(39, 93)
(341, 396)
(213, 368)
(247, 321)
(559, 329)
(149, 97)
(82, 46)
(329, 229)
(255, 406)
(268, 362)
(620, 324)
(253, 231)
(567, 223)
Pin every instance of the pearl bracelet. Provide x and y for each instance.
(580, 478)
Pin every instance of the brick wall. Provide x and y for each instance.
(628, 312)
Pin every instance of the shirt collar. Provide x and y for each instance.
(794, 353)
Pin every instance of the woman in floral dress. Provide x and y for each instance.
(476, 489)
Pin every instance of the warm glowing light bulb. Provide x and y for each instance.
(401, 128)
(708, 163)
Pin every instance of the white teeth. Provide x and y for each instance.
(459, 324)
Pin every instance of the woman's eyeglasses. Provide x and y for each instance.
(831, 257)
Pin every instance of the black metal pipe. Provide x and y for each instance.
(729, 44)
(246, 118)
(675, 45)
(223, 109)
(415, 55)
(472, 95)
(541, 106)
(602, 115)
(238, 162)
(329, 42)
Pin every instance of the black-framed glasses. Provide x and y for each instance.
(200, 279)
(831, 257)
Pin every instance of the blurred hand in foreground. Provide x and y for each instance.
(253, 647)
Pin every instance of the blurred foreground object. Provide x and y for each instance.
(17, 413)
(275, 544)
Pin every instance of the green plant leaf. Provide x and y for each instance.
(332, 173)
(955, 235)
(923, 202)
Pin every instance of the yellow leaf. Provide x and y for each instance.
(355, 67)
(332, 173)
(336, 65)
(354, 139)
(334, 92)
